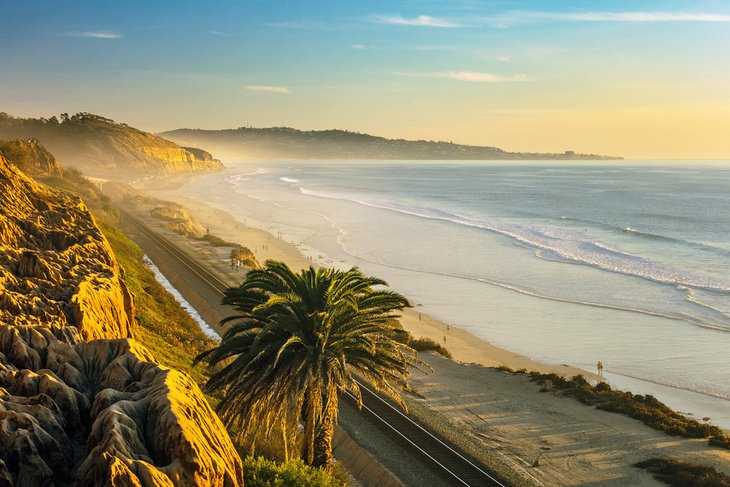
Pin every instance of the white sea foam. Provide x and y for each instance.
(504, 290)
(180, 299)
(566, 244)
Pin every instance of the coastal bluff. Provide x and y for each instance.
(101, 147)
(58, 269)
(30, 157)
(81, 402)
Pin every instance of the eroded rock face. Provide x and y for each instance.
(179, 220)
(56, 266)
(103, 413)
(80, 402)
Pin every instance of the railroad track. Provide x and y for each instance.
(451, 465)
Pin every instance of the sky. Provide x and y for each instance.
(640, 79)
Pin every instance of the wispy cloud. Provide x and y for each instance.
(420, 21)
(431, 48)
(502, 58)
(362, 47)
(295, 24)
(518, 17)
(92, 35)
(634, 16)
(221, 34)
(268, 89)
(470, 76)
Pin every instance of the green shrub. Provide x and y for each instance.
(260, 472)
(426, 344)
(684, 474)
(646, 409)
(216, 241)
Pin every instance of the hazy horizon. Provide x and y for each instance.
(636, 79)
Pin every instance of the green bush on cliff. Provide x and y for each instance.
(260, 472)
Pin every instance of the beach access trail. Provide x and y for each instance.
(549, 440)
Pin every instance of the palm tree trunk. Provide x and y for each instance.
(310, 428)
(323, 439)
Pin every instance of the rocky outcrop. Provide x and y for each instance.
(102, 413)
(30, 156)
(56, 266)
(179, 220)
(101, 147)
(80, 402)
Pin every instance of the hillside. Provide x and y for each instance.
(30, 157)
(247, 143)
(82, 402)
(102, 147)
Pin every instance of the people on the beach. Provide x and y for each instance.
(599, 366)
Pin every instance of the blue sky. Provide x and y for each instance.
(642, 79)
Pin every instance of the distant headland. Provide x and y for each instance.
(101, 146)
(245, 143)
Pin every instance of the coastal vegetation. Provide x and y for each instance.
(426, 344)
(297, 343)
(645, 408)
(684, 474)
(263, 472)
(247, 143)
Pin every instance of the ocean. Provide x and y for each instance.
(565, 262)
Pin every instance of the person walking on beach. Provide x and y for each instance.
(599, 366)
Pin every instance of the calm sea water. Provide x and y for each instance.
(627, 263)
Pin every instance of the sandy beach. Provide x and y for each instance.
(464, 346)
(501, 415)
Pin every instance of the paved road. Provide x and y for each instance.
(410, 451)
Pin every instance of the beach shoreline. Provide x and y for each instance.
(495, 412)
(463, 346)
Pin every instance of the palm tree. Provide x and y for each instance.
(294, 347)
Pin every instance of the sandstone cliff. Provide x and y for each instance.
(179, 220)
(81, 404)
(100, 146)
(30, 156)
(57, 269)
(102, 413)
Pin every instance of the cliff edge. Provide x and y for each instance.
(81, 403)
(30, 157)
(56, 266)
(100, 146)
